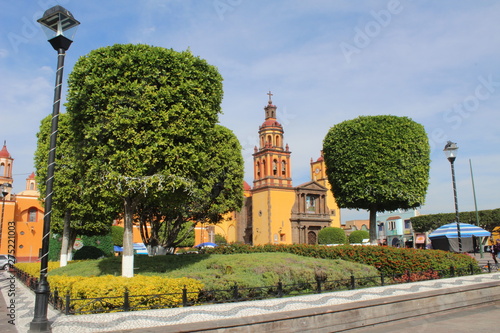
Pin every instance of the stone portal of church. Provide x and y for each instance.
(310, 213)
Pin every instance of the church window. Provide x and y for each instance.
(32, 212)
(275, 167)
(269, 140)
(283, 168)
(32, 186)
(278, 141)
(2, 169)
(258, 169)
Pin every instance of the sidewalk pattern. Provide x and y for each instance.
(164, 317)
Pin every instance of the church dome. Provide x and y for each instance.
(4, 153)
(271, 123)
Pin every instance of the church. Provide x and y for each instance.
(21, 219)
(276, 212)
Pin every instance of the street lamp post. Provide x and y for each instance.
(450, 150)
(59, 25)
(4, 191)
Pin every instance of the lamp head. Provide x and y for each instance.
(450, 150)
(59, 25)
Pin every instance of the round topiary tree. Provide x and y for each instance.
(378, 163)
(331, 235)
(357, 236)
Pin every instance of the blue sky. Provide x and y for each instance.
(325, 62)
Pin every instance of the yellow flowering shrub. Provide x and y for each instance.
(106, 293)
(33, 268)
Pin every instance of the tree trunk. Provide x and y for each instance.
(373, 226)
(128, 239)
(63, 259)
(72, 239)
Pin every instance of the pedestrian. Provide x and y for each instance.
(495, 250)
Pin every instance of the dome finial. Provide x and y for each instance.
(270, 94)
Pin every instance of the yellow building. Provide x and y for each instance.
(276, 212)
(21, 215)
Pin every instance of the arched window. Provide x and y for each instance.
(2, 169)
(275, 167)
(264, 169)
(283, 168)
(257, 167)
(269, 140)
(32, 214)
(278, 144)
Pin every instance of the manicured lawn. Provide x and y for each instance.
(220, 271)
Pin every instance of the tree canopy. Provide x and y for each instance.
(488, 220)
(142, 116)
(378, 163)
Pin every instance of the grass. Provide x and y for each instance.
(221, 271)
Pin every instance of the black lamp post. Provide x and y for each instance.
(59, 25)
(4, 191)
(450, 150)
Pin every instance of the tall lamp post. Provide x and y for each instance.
(4, 191)
(59, 26)
(450, 150)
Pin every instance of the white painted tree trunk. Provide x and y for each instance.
(63, 259)
(128, 240)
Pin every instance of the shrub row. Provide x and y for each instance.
(89, 290)
(388, 260)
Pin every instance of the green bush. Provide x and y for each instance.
(117, 235)
(388, 260)
(88, 252)
(357, 236)
(220, 240)
(331, 235)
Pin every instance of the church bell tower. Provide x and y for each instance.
(271, 159)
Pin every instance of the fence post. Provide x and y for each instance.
(382, 282)
(280, 289)
(56, 298)
(67, 305)
(452, 271)
(126, 304)
(489, 267)
(353, 282)
(235, 292)
(318, 286)
(184, 296)
(471, 269)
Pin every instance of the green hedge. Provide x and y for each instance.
(388, 260)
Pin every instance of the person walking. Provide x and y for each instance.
(495, 250)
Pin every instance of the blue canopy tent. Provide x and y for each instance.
(446, 237)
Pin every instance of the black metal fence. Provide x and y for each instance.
(234, 293)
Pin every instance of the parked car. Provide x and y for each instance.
(6, 260)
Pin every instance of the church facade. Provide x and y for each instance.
(275, 211)
(21, 219)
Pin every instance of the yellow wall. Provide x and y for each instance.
(21, 238)
(271, 216)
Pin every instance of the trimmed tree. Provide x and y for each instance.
(378, 163)
(331, 235)
(357, 236)
(141, 116)
(92, 213)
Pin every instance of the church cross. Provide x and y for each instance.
(269, 93)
